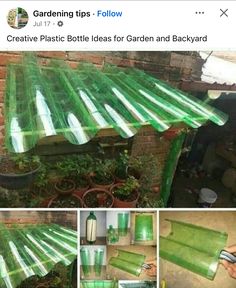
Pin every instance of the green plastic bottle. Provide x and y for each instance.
(113, 236)
(91, 228)
(123, 220)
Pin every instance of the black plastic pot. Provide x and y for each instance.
(18, 181)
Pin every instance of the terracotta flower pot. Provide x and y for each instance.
(121, 203)
(103, 198)
(52, 200)
(63, 190)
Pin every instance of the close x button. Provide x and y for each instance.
(224, 12)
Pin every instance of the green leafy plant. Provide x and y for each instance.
(150, 201)
(67, 167)
(122, 163)
(126, 188)
(23, 161)
(41, 180)
(103, 170)
(85, 163)
(18, 163)
(130, 165)
(75, 165)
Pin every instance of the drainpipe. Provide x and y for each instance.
(170, 167)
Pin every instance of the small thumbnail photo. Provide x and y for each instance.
(143, 228)
(38, 249)
(132, 262)
(93, 228)
(17, 18)
(93, 262)
(118, 228)
(198, 247)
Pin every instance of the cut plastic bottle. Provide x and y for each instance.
(193, 247)
(123, 220)
(85, 261)
(98, 261)
(128, 261)
(143, 227)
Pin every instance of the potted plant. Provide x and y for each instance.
(135, 166)
(103, 174)
(40, 190)
(122, 164)
(64, 201)
(128, 166)
(84, 168)
(74, 171)
(98, 197)
(41, 180)
(18, 171)
(126, 194)
(65, 186)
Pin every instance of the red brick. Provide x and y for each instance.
(72, 64)
(2, 72)
(89, 57)
(53, 54)
(2, 85)
(2, 131)
(120, 61)
(1, 120)
(6, 58)
(44, 61)
(1, 97)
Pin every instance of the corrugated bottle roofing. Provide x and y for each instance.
(47, 101)
(33, 250)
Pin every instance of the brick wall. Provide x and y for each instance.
(67, 219)
(149, 141)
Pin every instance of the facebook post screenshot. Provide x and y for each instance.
(117, 144)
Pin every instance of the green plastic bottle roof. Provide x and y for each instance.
(56, 100)
(33, 250)
(193, 247)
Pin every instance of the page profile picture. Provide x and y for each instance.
(17, 18)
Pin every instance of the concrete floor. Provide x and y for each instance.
(178, 277)
(184, 199)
